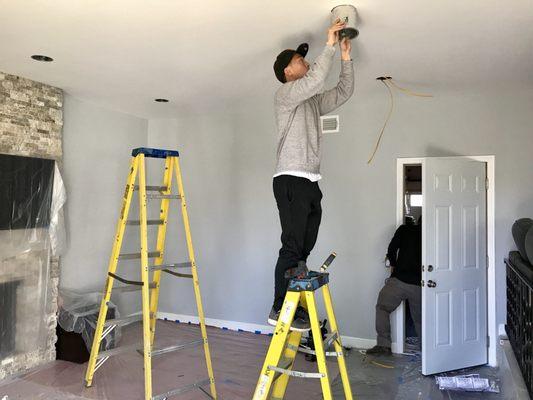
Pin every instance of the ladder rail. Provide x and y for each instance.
(196, 284)
(328, 302)
(113, 262)
(291, 349)
(160, 244)
(146, 280)
(319, 346)
(277, 345)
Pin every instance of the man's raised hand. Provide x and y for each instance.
(346, 48)
(333, 32)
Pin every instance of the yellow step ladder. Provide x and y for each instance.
(284, 346)
(150, 273)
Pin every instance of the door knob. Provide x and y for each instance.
(430, 268)
(432, 284)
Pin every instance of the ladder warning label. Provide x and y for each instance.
(286, 312)
(260, 391)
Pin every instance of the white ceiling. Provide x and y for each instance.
(200, 54)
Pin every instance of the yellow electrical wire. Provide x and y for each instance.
(382, 365)
(385, 124)
(365, 356)
(407, 90)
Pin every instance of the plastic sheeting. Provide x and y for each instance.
(399, 377)
(31, 231)
(78, 312)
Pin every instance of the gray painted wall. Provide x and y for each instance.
(227, 156)
(97, 148)
(228, 159)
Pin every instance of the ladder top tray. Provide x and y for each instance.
(154, 153)
(311, 282)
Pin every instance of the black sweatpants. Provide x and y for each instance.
(298, 201)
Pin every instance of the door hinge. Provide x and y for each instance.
(488, 341)
(487, 261)
(486, 183)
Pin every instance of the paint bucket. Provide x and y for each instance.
(347, 14)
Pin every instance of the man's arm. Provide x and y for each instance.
(394, 246)
(334, 98)
(295, 92)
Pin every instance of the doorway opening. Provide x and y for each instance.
(412, 214)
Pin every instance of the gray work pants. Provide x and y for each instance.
(392, 294)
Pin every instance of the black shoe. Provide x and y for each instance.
(300, 322)
(298, 272)
(379, 351)
(273, 317)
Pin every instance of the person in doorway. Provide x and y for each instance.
(299, 103)
(405, 256)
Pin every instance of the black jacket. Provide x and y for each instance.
(405, 254)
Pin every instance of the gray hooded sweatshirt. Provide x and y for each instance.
(299, 105)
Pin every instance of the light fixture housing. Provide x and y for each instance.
(347, 14)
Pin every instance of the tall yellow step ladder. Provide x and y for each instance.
(284, 346)
(150, 273)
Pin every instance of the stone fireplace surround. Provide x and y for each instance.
(31, 121)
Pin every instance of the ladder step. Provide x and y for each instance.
(148, 222)
(152, 188)
(313, 352)
(119, 350)
(130, 288)
(297, 374)
(124, 320)
(164, 196)
(284, 364)
(169, 349)
(328, 341)
(170, 266)
(133, 256)
(182, 389)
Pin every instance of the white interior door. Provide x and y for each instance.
(454, 259)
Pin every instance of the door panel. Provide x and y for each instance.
(454, 295)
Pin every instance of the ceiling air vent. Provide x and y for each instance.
(329, 123)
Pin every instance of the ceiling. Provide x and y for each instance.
(124, 53)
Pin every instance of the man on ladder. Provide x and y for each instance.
(299, 105)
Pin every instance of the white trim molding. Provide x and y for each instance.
(347, 341)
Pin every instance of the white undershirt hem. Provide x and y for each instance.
(302, 174)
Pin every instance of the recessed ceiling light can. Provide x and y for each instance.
(39, 57)
(347, 14)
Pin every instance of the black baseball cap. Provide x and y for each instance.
(285, 57)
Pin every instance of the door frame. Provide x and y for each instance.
(398, 317)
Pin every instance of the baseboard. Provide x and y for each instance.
(218, 323)
(348, 341)
(501, 331)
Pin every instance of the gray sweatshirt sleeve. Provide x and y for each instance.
(292, 93)
(333, 98)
